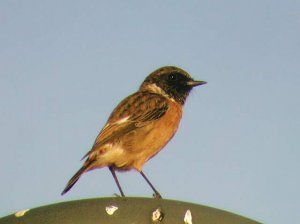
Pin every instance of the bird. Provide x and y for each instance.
(140, 126)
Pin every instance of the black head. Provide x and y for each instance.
(171, 81)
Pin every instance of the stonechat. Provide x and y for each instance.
(140, 126)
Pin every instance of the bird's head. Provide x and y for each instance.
(172, 82)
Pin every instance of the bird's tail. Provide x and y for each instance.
(76, 177)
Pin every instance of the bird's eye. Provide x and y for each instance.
(172, 77)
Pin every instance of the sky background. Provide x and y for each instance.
(65, 65)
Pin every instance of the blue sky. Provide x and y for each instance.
(65, 65)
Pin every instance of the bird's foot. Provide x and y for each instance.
(117, 195)
(157, 195)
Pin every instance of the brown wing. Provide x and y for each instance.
(133, 112)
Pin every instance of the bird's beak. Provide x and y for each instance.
(193, 83)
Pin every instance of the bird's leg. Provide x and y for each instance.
(156, 193)
(112, 170)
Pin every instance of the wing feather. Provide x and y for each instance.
(132, 113)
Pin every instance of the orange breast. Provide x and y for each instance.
(136, 147)
(146, 142)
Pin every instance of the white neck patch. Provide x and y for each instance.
(156, 89)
